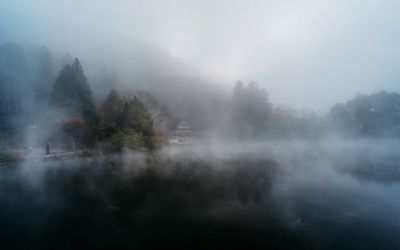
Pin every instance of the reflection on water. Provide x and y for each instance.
(298, 195)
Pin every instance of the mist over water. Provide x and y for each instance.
(309, 195)
(199, 124)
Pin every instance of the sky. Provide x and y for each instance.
(306, 53)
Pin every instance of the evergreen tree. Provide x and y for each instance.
(110, 112)
(72, 93)
(13, 69)
(137, 117)
(251, 110)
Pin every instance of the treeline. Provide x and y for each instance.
(42, 107)
(48, 97)
(377, 114)
(117, 123)
(26, 78)
(254, 116)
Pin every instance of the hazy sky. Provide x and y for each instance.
(306, 53)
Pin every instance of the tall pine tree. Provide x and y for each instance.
(71, 92)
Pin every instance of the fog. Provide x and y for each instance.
(290, 47)
(199, 124)
(276, 194)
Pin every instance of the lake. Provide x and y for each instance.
(315, 194)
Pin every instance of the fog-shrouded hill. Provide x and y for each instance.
(140, 66)
(127, 67)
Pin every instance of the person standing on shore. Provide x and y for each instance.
(48, 148)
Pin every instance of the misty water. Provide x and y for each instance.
(141, 124)
(316, 194)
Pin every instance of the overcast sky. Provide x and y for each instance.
(308, 54)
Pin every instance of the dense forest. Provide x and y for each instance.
(48, 94)
(62, 106)
(375, 115)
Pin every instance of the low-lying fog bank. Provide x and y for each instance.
(317, 194)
